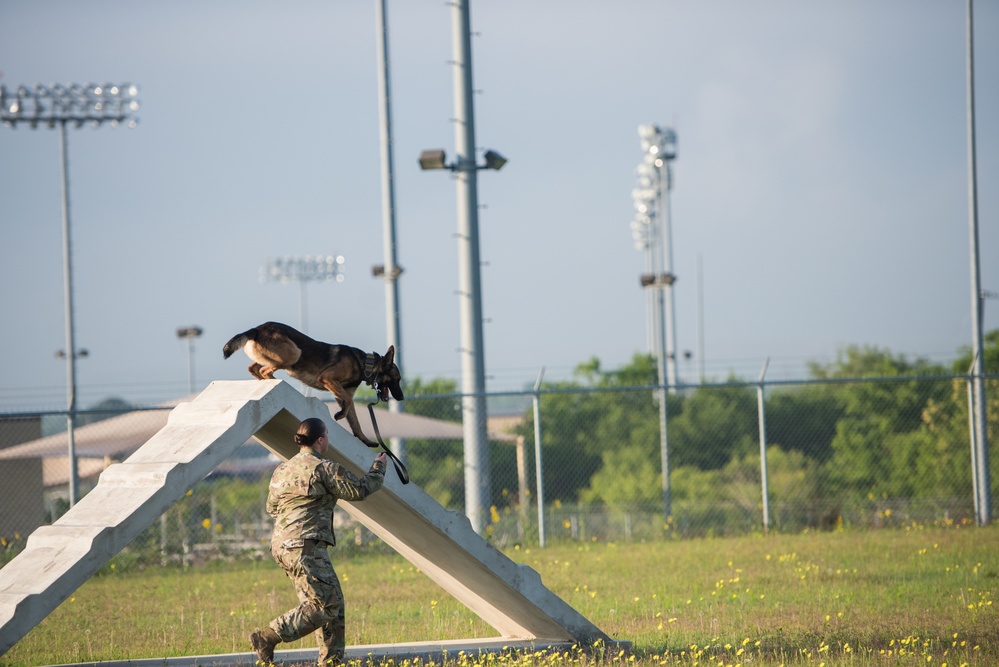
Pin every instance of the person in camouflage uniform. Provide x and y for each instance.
(303, 492)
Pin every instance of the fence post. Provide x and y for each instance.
(538, 469)
(521, 486)
(972, 435)
(763, 449)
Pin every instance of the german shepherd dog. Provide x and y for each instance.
(339, 369)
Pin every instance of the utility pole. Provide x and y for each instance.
(465, 170)
(980, 417)
(390, 270)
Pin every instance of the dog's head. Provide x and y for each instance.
(389, 379)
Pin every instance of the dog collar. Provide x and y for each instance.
(370, 360)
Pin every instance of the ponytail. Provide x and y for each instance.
(309, 431)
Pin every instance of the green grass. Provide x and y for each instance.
(918, 596)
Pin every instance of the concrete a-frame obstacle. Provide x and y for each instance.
(199, 435)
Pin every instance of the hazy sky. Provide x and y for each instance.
(821, 183)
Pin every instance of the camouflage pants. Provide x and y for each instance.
(320, 597)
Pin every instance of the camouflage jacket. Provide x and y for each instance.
(303, 492)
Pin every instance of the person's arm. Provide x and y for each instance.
(271, 505)
(347, 486)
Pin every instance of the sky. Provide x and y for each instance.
(820, 187)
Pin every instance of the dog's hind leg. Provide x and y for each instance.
(262, 372)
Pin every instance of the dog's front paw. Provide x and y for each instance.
(338, 416)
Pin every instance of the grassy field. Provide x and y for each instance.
(919, 596)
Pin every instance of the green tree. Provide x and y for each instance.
(791, 480)
(878, 441)
(990, 355)
(949, 426)
(588, 419)
(714, 424)
(803, 419)
(437, 466)
(628, 476)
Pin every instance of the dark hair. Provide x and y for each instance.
(309, 431)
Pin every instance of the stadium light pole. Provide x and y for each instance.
(303, 270)
(190, 334)
(651, 200)
(465, 170)
(59, 106)
(653, 205)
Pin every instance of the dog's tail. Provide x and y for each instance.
(236, 342)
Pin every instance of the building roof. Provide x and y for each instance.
(114, 439)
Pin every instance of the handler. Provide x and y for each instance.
(302, 495)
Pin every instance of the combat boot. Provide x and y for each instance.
(263, 642)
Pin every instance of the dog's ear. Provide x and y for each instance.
(389, 357)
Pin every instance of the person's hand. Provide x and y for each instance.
(382, 458)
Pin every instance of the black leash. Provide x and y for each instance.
(400, 469)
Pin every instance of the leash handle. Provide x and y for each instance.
(400, 469)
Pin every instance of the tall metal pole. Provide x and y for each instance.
(664, 447)
(190, 365)
(67, 260)
(660, 272)
(303, 307)
(700, 319)
(662, 346)
(538, 467)
(190, 333)
(667, 249)
(977, 298)
(971, 429)
(391, 270)
(473, 384)
(764, 482)
(647, 238)
(653, 302)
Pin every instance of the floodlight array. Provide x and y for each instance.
(658, 148)
(320, 268)
(73, 103)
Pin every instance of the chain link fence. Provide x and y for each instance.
(742, 457)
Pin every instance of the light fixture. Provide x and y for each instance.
(378, 271)
(436, 158)
(494, 160)
(433, 159)
(189, 332)
(654, 279)
(80, 354)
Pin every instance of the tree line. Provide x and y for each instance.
(871, 426)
